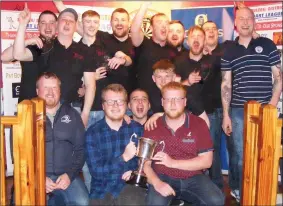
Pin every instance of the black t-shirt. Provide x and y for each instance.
(69, 64)
(148, 53)
(202, 92)
(96, 51)
(155, 102)
(30, 73)
(122, 74)
(217, 53)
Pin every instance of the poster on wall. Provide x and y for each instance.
(269, 24)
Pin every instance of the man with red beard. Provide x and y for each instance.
(176, 171)
(176, 36)
(150, 50)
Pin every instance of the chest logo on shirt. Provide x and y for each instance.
(258, 49)
(188, 138)
(66, 119)
(77, 56)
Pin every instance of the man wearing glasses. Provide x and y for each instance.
(177, 172)
(111, 153)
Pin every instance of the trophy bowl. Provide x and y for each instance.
(145, 152)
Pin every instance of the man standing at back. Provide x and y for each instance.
(30, 70)
(64, 58)
(150, 50)
(252, 63)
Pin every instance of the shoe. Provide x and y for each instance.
(235, 194)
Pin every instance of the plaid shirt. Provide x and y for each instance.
(105, 147)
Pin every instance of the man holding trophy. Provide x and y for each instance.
(111, 152)
(176, 170)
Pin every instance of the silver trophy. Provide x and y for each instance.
(145, 152)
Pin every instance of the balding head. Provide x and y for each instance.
(245, 22)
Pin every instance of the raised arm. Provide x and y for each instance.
(20, 52)
(60, 7)
(277, 84)
(7, 55)
(137, 35)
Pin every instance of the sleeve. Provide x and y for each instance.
(35, 51)
(194, 103)
(225, 60)
(178, 66)
(204, 140)
(78, 147)
(274, 55)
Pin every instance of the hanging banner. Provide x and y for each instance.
(222, 16)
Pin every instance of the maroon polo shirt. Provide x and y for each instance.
(191, 139)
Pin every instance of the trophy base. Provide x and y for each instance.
(137, 180)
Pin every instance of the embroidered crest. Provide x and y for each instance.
(66, 119)
(258, 49)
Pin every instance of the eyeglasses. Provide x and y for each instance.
(176, 99)
(110, 102)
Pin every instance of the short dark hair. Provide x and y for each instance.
(139, 90)
(164, 65)
(209, 21)
(48, 75)
(155, 15)
(120, 10)
(177, 22)
(117, 88)
(47, 12)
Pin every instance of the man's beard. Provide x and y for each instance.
(175, 115)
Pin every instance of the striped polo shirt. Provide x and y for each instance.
(251, 70)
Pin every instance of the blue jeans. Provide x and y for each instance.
(94, 116)
(215, 172)
(235, 148)
(75, 194)
(198, 190)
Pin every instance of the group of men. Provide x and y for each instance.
(175, 95)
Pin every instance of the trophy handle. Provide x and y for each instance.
(133, 135)
(163, 143)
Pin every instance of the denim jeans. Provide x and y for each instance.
(130, 195)
(198, 190)
(75, 194)
(235, 148)
(94, 116)
(215, 172)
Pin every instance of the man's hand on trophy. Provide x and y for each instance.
(164, 189)
(126, 176)
(163, 159)
(130, 151)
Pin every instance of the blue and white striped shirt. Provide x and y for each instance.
(251, 70)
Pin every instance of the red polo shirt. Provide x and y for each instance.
(191, 139)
